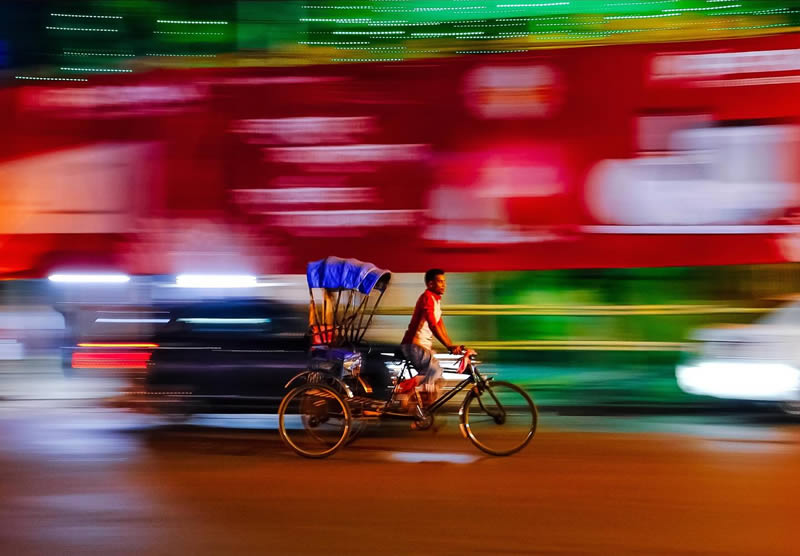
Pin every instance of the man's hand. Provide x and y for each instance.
(457, 350)
(467, 355)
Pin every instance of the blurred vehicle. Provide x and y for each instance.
(28, 330)
(109, 339)
(219, 357)
(759, 362)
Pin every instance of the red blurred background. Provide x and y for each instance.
(626, 155)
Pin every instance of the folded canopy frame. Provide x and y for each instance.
(348, 294)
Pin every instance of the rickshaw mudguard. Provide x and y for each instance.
(338, 382)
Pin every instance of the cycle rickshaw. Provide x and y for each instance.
(329, 405)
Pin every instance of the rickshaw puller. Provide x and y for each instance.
(427, 322)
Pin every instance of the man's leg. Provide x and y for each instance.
(428, 367)
(433, 376)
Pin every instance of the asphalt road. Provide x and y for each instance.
(83, 480)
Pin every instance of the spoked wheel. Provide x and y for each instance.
(314, 420)
(500, 420)
(356, 430)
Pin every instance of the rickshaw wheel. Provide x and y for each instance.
(314, 420)
(424, 422)
(356, 431)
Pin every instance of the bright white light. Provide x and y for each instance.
(216, 281)
(89, 278)
(430, 457)
(447, 374)
(738, 380)
(132, 320)
(203, 320)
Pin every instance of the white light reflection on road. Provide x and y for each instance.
(431, 457)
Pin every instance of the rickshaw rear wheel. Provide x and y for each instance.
(356, 431)
(314, 420)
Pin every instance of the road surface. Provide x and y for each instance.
(83, 480)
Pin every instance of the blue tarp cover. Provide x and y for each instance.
(349, 274)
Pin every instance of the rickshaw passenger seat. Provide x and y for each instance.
(408, 384)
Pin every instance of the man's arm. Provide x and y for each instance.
(454, 349)
(441, 335)
(440, 332)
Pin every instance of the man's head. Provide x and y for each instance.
(435, 281)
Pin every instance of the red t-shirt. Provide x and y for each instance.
(427, 314)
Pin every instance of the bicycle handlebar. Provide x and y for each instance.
(469, 354)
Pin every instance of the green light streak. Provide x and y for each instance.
(185, 22)
(89, 16)
(98, 69)
(183, 33)
(106, 54)
(49, 78)
(82, 29)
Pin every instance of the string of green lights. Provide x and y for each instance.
(106, 35)
(501, 27)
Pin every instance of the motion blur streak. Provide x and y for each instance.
(611, 187)
(119, 345)
(215, 281)
(89, 278)
(111, 360)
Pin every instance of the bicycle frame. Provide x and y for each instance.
(473, 377)
(468, 380)
(358, 407)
